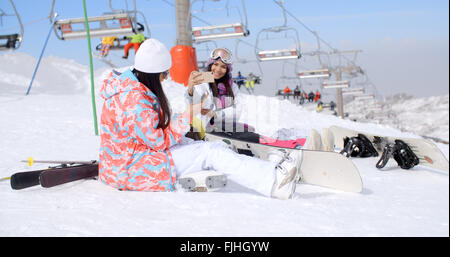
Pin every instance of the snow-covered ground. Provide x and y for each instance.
(55, 122)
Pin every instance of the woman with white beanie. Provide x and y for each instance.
(140, 138)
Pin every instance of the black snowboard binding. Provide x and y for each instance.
(402, 154)
(359, 146)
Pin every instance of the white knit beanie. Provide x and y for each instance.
(152, 57)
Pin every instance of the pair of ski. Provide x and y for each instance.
(407, 152)
(65, 172)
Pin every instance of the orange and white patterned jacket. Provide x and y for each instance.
(134, 153)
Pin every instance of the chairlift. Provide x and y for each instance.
(202, 61)
(336, 84)
(237, 58)
(307, 74)
(352, 91)
(12, 41)
(225, 31)
(219, 32)
(364, 97)
(278, 54)
(284, 81)
(118, 23)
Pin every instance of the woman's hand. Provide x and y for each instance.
(195, 78)
(209, 113)
(194, 109)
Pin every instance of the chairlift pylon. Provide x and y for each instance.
(223, 31)
(12, 41)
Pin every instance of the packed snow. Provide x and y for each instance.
(55, 122)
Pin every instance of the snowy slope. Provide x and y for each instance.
(422, 116)
(55, 122)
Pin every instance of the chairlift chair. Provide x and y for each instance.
(335, 84)
(126, 25)
(278, 54)
(219, 32)
(364, 97)
(12, 41)
(352, 91)
(202, 59)
(225, 31)
(307, 74)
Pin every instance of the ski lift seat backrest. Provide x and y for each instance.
(336, 84)
(322, 73)
(104, 29)
(219, 32)
(352, 91)
(364, 97)
(8, 42)
(283, 54)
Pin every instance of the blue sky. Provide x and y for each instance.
(397, 33)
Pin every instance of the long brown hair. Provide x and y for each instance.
(151, 81)
(225, 80)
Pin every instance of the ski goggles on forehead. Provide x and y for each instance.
(222, 53)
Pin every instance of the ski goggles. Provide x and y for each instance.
(222, 53)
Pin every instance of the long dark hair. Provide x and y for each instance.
(151, 81)
(225, 80)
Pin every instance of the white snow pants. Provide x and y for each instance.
(247, 171)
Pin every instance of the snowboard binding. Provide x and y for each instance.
(359, 146)
(402, 154)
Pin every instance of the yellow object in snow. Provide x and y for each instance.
(30, 161)
(197, 125)
(319, 108)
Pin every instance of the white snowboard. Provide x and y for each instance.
(427, 152)
(328, 169)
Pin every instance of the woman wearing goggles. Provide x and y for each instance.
(221, 107)
(220, 95)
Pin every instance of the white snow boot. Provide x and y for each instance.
(287, 175)
(203, 181)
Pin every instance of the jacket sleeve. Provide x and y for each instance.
(141, 121)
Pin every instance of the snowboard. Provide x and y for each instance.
(322, 168)
(428, 153)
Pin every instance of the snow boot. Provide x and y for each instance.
(287, 175)
(203, 181)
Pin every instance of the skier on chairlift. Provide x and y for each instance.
(239, 80)
(136, 41)
(107, 43)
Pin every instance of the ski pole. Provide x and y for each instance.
(5, 179)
